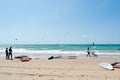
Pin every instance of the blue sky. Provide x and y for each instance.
(60, 21)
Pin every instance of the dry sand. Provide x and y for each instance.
(57, 69)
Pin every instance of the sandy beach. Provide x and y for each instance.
(57, 69)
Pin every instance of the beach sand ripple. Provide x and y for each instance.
(57, 69)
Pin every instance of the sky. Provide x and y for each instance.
(59, 21)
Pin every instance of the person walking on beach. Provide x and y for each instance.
(88, 51)
(7, 54)
(10, 52)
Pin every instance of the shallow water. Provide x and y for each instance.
(46, 50)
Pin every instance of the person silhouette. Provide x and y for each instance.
(88, 51)
(7, 54)
(10, 52)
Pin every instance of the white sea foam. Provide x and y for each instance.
(22, 50)
(47, 53)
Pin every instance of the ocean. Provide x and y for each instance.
(47, 50)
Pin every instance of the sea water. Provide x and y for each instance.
(47, 50)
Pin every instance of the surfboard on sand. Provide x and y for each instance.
(25, 59)
(54, 57)
(106, 65)
(116, 65)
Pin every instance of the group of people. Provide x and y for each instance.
(9, 53)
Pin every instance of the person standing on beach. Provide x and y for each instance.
(7, 54)
(10, 52)
(88, 51)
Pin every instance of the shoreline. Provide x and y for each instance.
(64, 55)
(114, 56)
